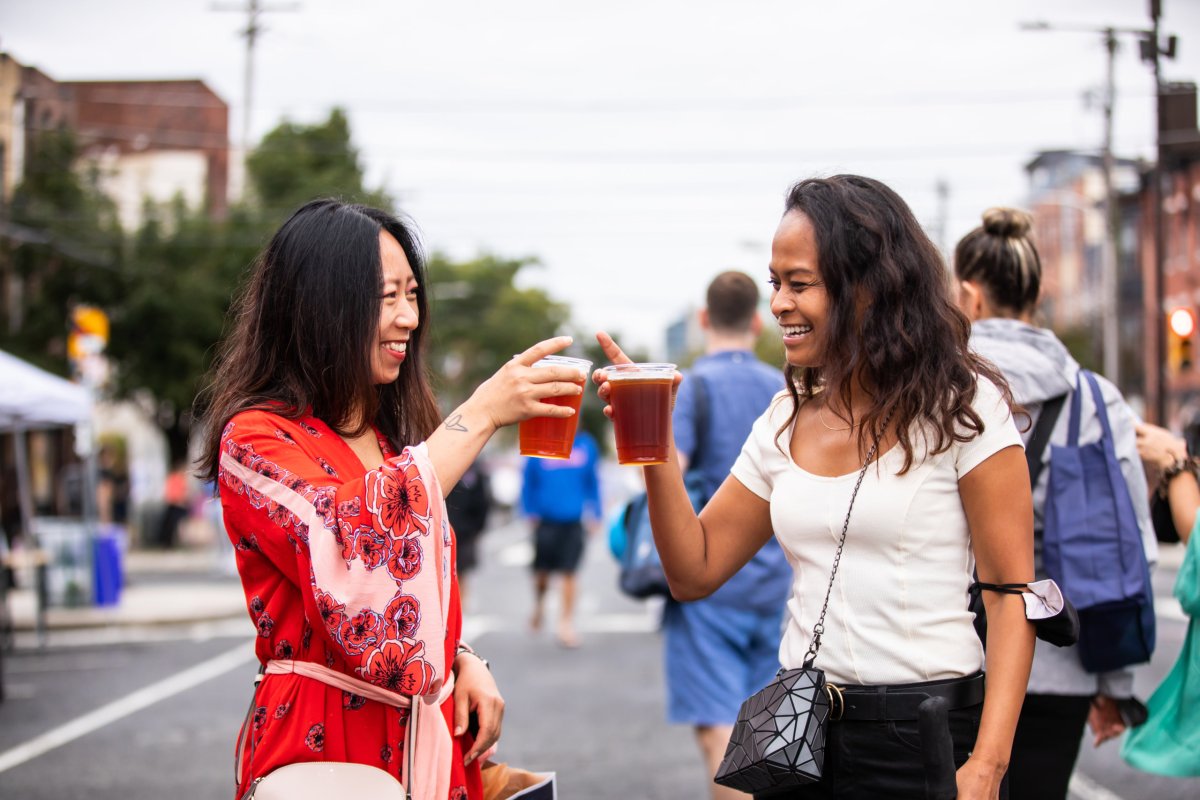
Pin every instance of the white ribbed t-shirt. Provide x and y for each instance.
(898, 611)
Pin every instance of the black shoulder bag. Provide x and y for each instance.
(778, 740)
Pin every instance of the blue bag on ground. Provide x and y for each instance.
(1092, 545)
(641, 573)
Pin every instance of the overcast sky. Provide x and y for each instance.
(639, 147)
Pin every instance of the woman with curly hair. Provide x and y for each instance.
(881, 389)
(332, 466)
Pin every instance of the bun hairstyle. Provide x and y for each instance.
(1008, 222)
(1000, 256)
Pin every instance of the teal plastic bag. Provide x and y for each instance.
(1169, 741)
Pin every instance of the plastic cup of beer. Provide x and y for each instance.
(552, 437)
(640, 396)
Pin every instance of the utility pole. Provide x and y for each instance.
(1110, 285)
(1151, 50)
(253, 10)
(942, 226)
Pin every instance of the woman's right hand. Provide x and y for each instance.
(517, 391)
(1158, 446)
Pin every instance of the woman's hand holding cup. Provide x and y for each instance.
(518, 390)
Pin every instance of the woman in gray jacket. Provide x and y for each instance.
(999, 274)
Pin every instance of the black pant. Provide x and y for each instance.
(1046, 745)
(873, 760)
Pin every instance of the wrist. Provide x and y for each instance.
(472, 417)
(464, 650)
(1179, 465)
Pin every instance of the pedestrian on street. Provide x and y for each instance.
(332, 465)
(877, 362)
(719, 650)
(1168, 743)
(468, 506)
(557, 496)
(999, 274)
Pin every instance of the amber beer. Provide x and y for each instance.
(551, 437)
(641, 410)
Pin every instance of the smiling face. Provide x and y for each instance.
(398, 316)
(798, 299)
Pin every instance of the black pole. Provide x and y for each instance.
(1160, 238)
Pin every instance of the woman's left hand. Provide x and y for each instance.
(1104, 718)
(979, 780)
(476, 691)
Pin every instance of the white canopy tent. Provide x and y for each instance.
(33, 399)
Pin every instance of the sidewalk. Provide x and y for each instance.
(161, 588)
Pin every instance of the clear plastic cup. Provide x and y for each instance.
(552, 437)
(641, 411)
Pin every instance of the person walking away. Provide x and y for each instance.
(877, 363)
(1168, 743)
(176, 500)
(719, 650)
(468, 506)
(556, 496)
(999, 274)
(332, 461)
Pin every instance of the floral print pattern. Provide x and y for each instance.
(375, 524)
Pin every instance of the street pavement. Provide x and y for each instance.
(594, 714)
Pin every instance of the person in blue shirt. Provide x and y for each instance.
(722, 649)
(555, 496)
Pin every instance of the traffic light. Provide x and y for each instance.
(1181, 326)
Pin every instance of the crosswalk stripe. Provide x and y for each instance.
(129, 704)
(1082, 787)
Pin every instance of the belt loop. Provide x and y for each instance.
(881, 701)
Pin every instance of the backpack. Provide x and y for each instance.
(1092, 545)
(641, 573)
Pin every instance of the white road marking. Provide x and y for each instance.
(129, 704)
(1084, 788)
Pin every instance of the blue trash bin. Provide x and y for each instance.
(107, 577)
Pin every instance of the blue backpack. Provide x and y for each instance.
(641, 574)
(1092, 545)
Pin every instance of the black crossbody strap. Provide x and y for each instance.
(1041, 436)
(702, 415)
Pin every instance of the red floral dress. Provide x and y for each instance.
(346, 570)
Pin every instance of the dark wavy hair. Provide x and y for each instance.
(302, 329)
(892, 323)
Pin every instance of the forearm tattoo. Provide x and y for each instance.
(455, 424)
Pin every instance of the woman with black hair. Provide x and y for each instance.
(325, 442)
(999, 276)
(881, 388)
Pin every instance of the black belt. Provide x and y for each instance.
(900, 701)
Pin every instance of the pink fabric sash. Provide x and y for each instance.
(428, 740)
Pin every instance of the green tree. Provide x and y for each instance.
(295, 163)
(61, 247)
(181, 272)
(481, 319)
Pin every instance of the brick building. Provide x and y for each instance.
(150, 139)
(155, 139)
(1180, 148)
(1067, 201)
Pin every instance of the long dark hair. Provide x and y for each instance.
(302, 329)
(892, 324)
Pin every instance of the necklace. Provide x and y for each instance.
(821, 418)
